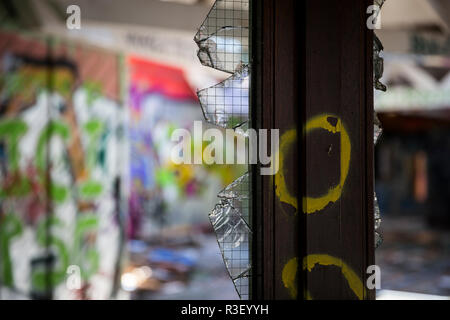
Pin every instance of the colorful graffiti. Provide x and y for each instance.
(160, 101)
(60, 126)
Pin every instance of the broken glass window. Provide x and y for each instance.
(242, 285)
(377, 130)
(223, 42)
(233, 237)
(378, 239)
(234, 190)
(379, 2)
(227, 103)
(231, 222)
(378, 66)
(378, 61)
(238, 195)
(377, 217)
(223, 39)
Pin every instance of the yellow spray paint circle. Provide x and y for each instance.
(281, 189)
(312, 204)
(289, 273)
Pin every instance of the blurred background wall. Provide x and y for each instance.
(85, 123)
(412, 166)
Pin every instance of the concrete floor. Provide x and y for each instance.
(209, 281)
(413, 257)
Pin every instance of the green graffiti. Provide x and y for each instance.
(10, 227)
(52, 129)
(58, 193)
(39, 278)
(22, 83)
(86, 257)
(12, 130)
(94, 129)
(28, 81)
(165, 177)
(93, 91)
(91, 189)
(85, 224)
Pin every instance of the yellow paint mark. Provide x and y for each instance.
(281, 188)
(326, 260)
(289, 273)
(308, 295)
(310, 204)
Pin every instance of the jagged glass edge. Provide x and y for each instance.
(242, 72)
(224, 203)
(378, 130)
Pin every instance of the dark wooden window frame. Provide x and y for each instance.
(311, 58)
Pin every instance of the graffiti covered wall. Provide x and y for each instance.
(59, 168)
(162, 193)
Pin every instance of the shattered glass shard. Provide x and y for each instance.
(377, 214)
(223, 42)
(242, 285)
(234, 190)
(378, 240)
(233, 236)
(377, 218)
(377, 129)
(222, 52)
(227, 103)
(379, 2)
(378, 64)
(238, 195)
(223, 38)
(242, 129)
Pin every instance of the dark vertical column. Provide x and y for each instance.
(338, 149)
(276, 106)
(313, 81)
